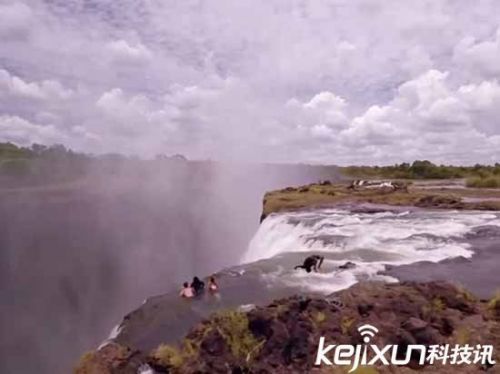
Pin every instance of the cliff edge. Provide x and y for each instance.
(283, 336)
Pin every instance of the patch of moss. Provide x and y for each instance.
(345, 324)
(494, 305)
(233, 327)
(317, 318)
(175, 357)
(462, 336)
(282, 308)
(168, 356)
(466, 295)
(88, 365)
(437, 305)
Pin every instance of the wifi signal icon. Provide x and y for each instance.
(367, 332)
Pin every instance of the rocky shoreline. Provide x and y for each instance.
(282, 337)
(416, 194)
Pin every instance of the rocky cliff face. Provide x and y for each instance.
(283, 336)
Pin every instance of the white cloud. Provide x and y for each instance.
(326, 81)
(14, 86)
(481, 57)
(20, 131)
(122, 51)
(430, 117)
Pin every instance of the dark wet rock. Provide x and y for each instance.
(368, 210)
(347, 265)
(413, 324)
(439, 201)
(365, 309)
(487, 231)
(213, 343)
(113, 358)
(283, 336)
(325, 182)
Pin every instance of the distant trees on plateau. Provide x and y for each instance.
(477, 175)
(39, 164)
(43, 165)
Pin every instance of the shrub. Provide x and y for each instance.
(437, 305)
(87, 364)
(462, 336)
(345, 324)
(317, 318)
(233, 326)
(490, 181)
(494, 305)
(169, 356)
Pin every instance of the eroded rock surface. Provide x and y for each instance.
(283, 336)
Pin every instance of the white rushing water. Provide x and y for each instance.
(370, 240)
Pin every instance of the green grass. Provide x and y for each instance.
(85, 364)
(169, 356)
(175, 357)
(346, 324)
(233, 326)
(494, 303)
(489, 181)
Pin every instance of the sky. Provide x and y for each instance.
(314, 81)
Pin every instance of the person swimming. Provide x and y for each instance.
(213, 287)
(187, 291)
(197, 285)
(311, 263)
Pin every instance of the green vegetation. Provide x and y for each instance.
(489, 181)
(176, 357)
(494, 305)
(423, 170)
(39, 164)
(346, 324)
(429, 196)
(437, 305)
(85, 365)
(318, 318)
(462, 336)
(233, 327)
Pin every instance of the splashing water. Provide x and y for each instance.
(370, 240)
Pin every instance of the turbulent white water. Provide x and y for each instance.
(370, 240)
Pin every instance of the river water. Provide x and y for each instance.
(380, 241)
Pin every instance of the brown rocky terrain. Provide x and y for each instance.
(422, 195)
(283, 336)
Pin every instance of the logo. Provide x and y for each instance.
(370, 354)
(367, 332)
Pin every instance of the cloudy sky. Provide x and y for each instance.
(338, 81)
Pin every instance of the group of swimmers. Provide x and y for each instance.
(197, 287)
